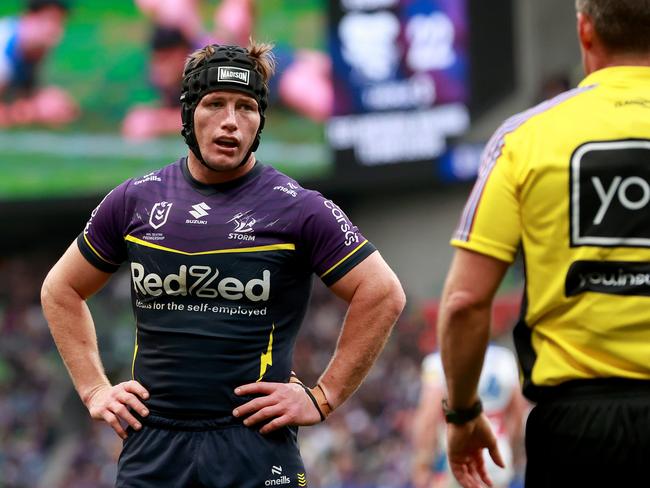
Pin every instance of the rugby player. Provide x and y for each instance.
(221, 251)
(503, 404)
(569, 182)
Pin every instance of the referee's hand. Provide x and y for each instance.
(279, 405)
(113, 405)
(465, 444)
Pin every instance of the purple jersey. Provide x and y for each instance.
(220, 277)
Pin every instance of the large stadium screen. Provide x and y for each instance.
(366, 91)
(407, 76)
(401, 79)
(111, 62)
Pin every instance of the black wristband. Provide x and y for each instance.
(460, 416)
(313, 399)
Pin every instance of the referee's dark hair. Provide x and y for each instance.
(36, 5)
(622, 25)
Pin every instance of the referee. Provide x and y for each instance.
(569, 182)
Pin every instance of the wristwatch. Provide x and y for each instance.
(460, 416)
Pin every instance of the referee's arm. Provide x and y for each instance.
(464, 332)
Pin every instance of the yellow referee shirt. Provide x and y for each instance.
(569, 181)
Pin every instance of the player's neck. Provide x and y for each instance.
(209, 176)
(609, 61)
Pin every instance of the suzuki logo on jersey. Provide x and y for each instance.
(610, 194)
(351, 236)
(243, 226)
(200, 281)
(200, 210)
(159, 214)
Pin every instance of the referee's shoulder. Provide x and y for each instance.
(546, 113)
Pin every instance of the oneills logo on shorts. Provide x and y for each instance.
(233, 74)
(282, 480)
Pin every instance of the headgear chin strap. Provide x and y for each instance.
(228, 68)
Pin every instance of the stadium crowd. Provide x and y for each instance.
(48, 440)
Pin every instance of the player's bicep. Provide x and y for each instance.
(74, 273)
(372, 275)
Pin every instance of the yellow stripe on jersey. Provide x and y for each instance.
(97, 253)
(266, 359)
(344, 259)
(135, 353)
(270, 247)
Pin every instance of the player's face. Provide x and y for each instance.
(41, 31)
(166, 67)
(225, 124)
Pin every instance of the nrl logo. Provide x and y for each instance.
(159, 214)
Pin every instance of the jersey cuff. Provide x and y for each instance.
(501, 255)
(340, 269)
(93, 257)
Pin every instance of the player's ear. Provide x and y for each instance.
(585, 30)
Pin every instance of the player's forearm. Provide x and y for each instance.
(371, 315)
(464, 331)
(73, 331)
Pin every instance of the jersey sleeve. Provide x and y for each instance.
(490, 222)
(332, 243)
(102, 240)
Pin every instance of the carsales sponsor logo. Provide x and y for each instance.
(349, 231)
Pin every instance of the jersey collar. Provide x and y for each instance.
(207, 190)
(618, 75)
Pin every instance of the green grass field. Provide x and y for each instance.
(102, 62)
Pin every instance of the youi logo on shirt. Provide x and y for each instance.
(610, 194)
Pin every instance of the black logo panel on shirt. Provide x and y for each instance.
(611, 277)
(610, 194)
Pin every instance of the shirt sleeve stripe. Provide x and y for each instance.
(97, 253)
(493, 151)
(344, 259)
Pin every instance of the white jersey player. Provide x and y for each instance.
(503, 403)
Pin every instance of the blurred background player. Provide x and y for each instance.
(169, 49)
(25, 42)
(503, 404)
(302, 81)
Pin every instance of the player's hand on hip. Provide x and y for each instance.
(113, 405)
(279, 405)
(465, 444)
